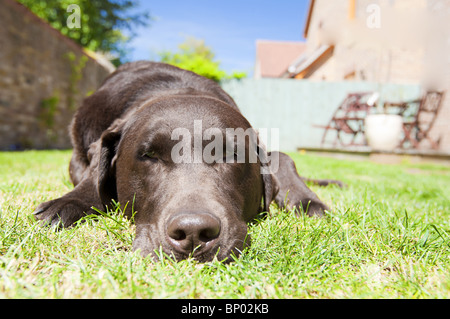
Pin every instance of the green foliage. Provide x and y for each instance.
(195, 56)
(101, 22)
(48, 108)
(76, 74)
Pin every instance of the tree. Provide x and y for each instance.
(194, 55)
(101, 22)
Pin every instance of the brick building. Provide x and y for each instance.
(380, 41)
(274, 57)
(383, 41)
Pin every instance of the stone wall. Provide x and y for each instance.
(43, 78)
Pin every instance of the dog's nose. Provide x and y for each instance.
(191, 232)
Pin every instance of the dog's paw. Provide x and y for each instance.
(315, 208)
(309, 207)
(61, 212)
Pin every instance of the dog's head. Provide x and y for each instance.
(193, 181)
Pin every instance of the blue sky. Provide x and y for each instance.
(230, 27)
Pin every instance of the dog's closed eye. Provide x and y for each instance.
(230, 156)
(151, 155)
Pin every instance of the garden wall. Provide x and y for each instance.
(43, 78)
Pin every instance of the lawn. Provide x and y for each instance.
(388, 236)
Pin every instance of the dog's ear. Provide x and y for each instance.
(106, 184)
(270, 182)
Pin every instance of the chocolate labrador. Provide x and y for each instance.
(136, 140)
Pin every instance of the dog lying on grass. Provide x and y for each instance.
(175, 145)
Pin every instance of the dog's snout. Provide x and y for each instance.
(192, 232)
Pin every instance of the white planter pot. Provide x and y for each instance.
(383, 131)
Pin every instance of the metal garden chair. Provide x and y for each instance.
(419, 117)
(348, 119)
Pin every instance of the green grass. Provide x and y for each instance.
(387, 237)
